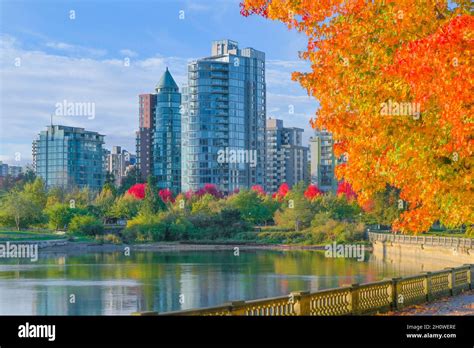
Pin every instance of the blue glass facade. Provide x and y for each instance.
(166, 136)
(69, 157)
(224, 108)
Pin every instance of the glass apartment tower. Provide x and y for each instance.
(69, 157)
(224, 109)
(167, 134)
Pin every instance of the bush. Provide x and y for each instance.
(284, 237)
(162, 226)
(253, 207)
(296, 212)
(325, 229)
(125, 207)
(141, 228)
(86, 225)
(470, 232)
(59, 215)
(112, 238)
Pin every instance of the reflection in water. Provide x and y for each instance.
(111, 283)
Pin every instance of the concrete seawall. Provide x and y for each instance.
(432, 256)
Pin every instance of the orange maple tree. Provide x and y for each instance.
(394, 82)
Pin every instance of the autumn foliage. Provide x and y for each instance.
(209, 189)
(345, 189)
(137, 191)
(415, 56)
(259, 189)
(166, 195)
(282, 192)
(312, 192)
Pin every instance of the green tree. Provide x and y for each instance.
(36, 192)
(109, 179)
(384, 208)
(130, 179)
(85, 225)
(59, 215)
(251, 206)
(29, 175)
(125, 207)
(104, 202)
(203, 205)
(152, 202)
(20, 210)
(79, 197)
(55, 195)
(296, 211)
(337, 207)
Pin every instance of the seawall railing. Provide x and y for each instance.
(356, 299)
(426, 240)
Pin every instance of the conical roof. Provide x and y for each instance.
(166, 82)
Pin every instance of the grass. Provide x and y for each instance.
(9, 235)
(38, 235)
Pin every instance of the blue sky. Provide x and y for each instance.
(47, 57)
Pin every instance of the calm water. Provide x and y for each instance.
(111, 283)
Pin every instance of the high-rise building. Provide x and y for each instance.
(3, 169)
(223, 123)
(69, 157)
(287, 158)
(13, 171)
(144, 146)
(166, 137)
(323, 161)
(159, 134)
(117, 163)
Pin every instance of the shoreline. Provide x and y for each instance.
(86, 247)
(66, 246)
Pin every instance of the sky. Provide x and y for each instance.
(107, 52)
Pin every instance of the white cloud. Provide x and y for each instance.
(128, 53)
(75, 49)
(29, 92)
(195, 6)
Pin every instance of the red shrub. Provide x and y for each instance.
(312, 191)
(137, 191)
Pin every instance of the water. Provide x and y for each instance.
(114, 284)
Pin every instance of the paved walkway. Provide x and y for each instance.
(458, 305)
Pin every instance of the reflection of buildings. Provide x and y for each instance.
(51, 300)
(111, 284)
(119, 299)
